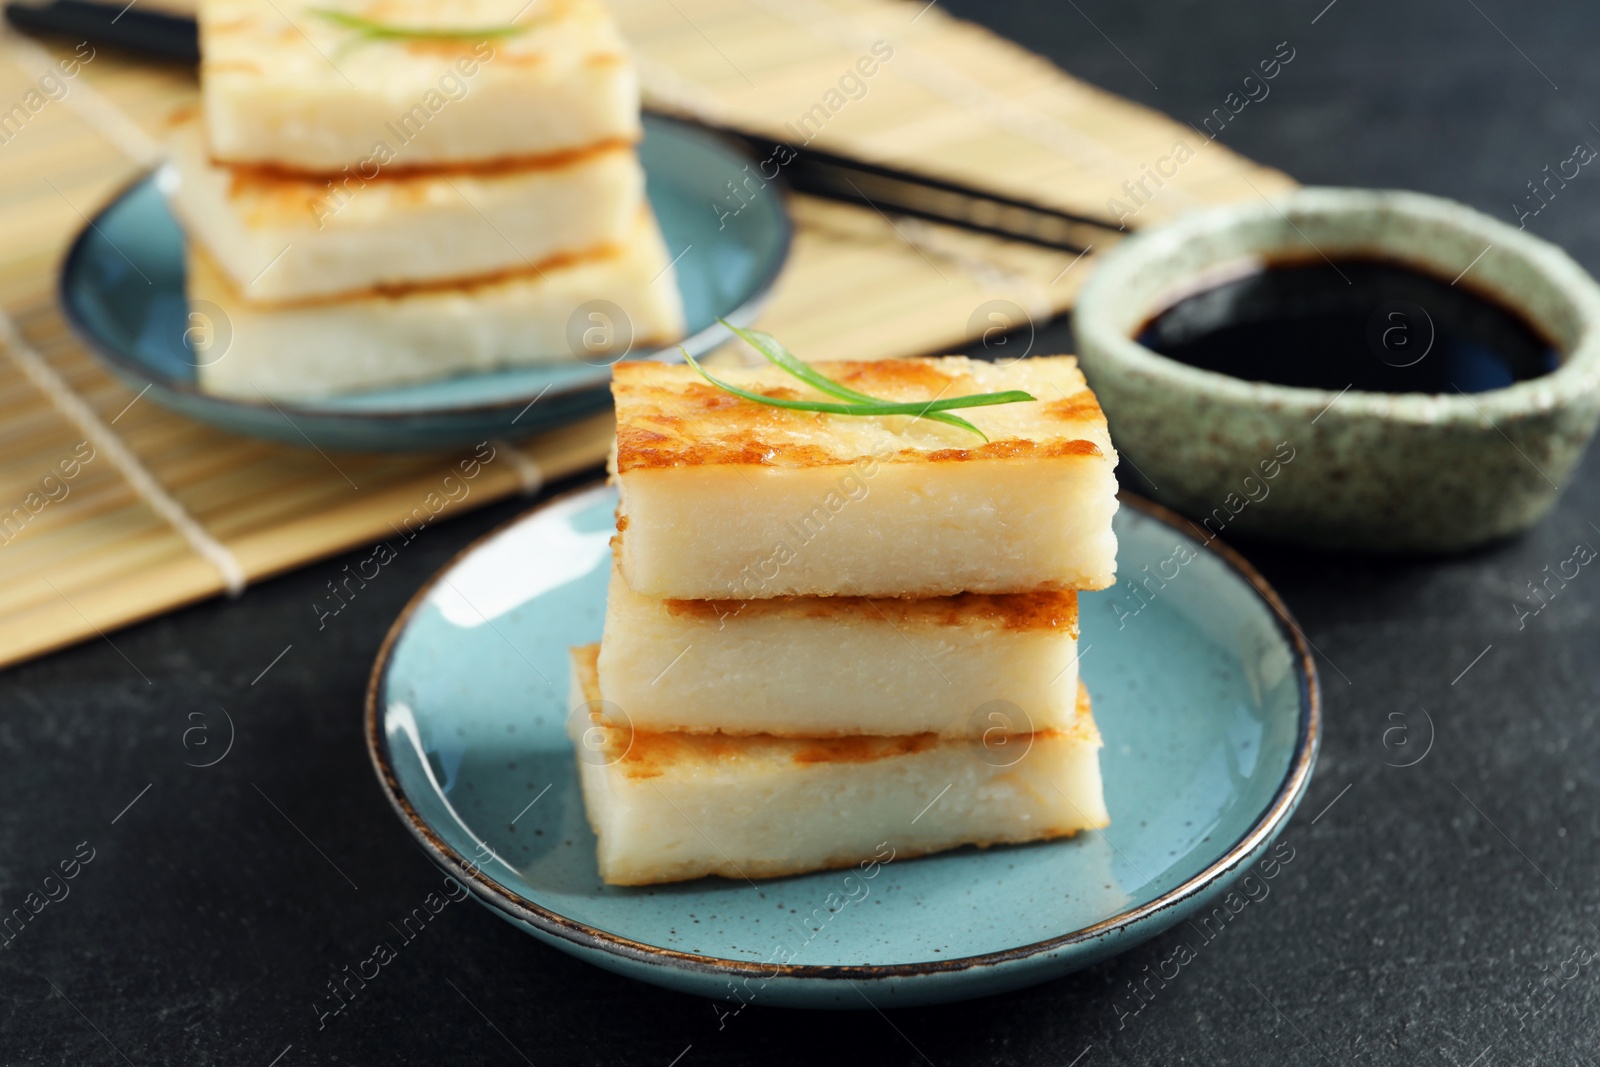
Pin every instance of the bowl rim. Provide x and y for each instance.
(1101, 305)
(1266, 826)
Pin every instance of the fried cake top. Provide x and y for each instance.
(273, 44)
(669, 416)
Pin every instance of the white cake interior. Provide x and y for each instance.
(667, 807)
(832, 666)
(282, 84)
(726, 498)
(283, 237)
(322, 348)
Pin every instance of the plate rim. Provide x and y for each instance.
(1265, 826)
(121, 363)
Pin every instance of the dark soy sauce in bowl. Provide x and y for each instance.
(1365, 324)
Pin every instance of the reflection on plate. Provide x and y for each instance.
(122, 290)
(1203, 690)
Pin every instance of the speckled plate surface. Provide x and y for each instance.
(122, 289)
(1203, 690)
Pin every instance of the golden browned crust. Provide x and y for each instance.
(667, 416)
(1014, 448)
(274, 179)
(1042, 610)
(651, 753)
(863, 749)
(642, 754)
(182, 115)
(401, 290)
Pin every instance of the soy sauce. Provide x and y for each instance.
(1362, 324)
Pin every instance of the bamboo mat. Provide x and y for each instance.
(165, 511)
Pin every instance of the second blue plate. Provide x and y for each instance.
(122, 288)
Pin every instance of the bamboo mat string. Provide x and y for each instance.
(529, 473)
(105, 439)
(132, 141)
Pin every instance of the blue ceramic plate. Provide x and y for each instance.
(122, 290)
(1204, 692)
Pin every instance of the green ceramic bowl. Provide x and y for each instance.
(1404, 472)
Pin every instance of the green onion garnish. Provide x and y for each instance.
(373, 30)
(857, 403)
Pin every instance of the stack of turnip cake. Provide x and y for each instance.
(827, 633)
(382, 193)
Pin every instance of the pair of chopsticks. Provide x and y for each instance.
(808, 170)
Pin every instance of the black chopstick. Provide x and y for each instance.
(807, 170)
(901, 192)
(147, 33)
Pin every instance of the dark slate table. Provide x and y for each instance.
(1437, 914)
